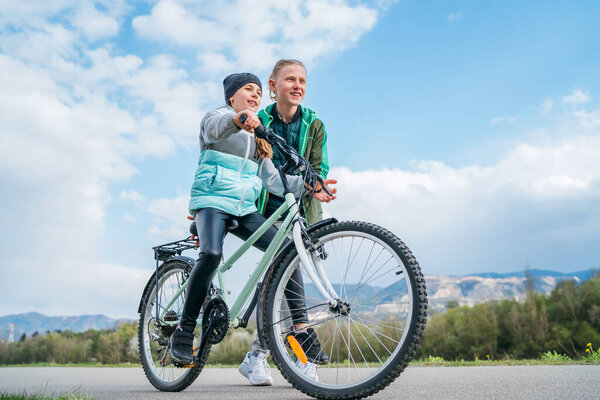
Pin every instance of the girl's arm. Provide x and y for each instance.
(217, 125)
(272, 181)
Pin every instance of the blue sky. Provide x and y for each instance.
(471, 129)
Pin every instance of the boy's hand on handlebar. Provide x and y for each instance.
(250, 122)
(321, 195)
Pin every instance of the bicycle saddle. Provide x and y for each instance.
(232, 224)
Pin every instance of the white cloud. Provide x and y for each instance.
(535, 205)
(588, 119)
(170, 21)
(576, 98)
(497, 120)
(455, 16)
(268, 30)
(47, 44)
(133, 196)
(170, 218)
(70, 286)
(214, 63)
(67, 144)
(78, 116)
(95, 24)
(547, 105)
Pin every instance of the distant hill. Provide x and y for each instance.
(477, 288)
(581, 276)
(466, 290)
(29, 323)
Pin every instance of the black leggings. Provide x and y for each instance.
(211, 225)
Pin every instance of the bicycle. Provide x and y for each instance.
(370, 320)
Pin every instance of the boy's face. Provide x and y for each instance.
(289, 85)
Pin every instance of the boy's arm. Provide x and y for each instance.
(318, 158)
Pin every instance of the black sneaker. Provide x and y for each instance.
(182, 346)
(311, 346)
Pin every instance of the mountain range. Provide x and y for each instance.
(466, 290)
(32, 322)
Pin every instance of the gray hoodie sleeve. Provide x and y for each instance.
(272, 181)
(217, 125)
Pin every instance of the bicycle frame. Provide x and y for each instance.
(291, 223)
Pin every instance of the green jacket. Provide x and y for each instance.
(313, 147)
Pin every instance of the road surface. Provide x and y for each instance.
(516, 382)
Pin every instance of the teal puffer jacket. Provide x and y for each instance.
(226, 182)
(230, 174)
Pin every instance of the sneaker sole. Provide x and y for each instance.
(268, 382)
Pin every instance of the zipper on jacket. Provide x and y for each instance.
(240, 173)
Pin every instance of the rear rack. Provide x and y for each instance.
(165, 251)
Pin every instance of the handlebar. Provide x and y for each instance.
(295, 163)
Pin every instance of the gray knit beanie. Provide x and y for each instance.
(235, 81)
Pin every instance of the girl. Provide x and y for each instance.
(232, 168)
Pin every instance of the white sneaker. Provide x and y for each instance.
(309, 369)
(255, 368)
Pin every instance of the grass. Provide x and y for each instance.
(427, 362)
(75, 394)
(74, 365)
(25, 396)
(496, 363)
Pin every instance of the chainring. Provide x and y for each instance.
(216, 308)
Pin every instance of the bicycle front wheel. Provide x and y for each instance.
(373, 337)
(154, 335)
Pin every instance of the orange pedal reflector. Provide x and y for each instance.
(297, 349)
(190, 217)
(189, 366)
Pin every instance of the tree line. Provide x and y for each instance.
(109, 346)
(564, 321)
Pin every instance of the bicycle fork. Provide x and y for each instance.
(313, 267)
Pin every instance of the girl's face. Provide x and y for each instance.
(246, 98)
(289, 85)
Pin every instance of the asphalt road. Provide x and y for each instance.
(518, 382)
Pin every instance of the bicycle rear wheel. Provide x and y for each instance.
(370, 342)
(154, 337)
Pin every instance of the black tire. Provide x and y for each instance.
(154, 343)
(398, 327)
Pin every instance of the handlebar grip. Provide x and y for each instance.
(260, 132)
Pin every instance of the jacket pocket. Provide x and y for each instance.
(216, 176)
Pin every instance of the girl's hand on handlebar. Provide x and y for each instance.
(321, 195)
(250, 123)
